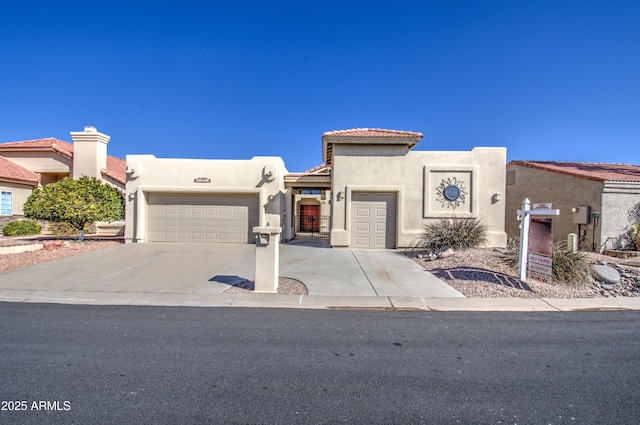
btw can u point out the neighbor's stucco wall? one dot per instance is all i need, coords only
(415, 177)
(41, 162)
(620, 203)
(89, 159)
(89, 152)
(146, 174)
(562, 191)
(19, 194)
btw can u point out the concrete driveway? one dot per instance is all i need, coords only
(186, 268)
(349, 272)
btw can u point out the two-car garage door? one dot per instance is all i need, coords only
(202, 218)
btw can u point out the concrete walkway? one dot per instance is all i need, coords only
(197, 274)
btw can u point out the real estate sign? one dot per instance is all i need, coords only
(539, 264)
(539, 267)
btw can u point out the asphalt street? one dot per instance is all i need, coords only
(124, 364)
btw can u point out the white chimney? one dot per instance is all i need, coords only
(89, 152)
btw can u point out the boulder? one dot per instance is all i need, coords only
(51, 245)
(447, 253)
(605, 273)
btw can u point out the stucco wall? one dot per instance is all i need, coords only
(563, 191)
(620, 202)
(415, 177)
(41, 162)
(89, 157)
(20, 193)
(146, 174)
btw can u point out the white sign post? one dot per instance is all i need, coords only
(525, 214)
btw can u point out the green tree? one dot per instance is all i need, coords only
(77, 202)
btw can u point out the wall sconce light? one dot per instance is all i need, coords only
(496, 197)
(340, 196)
(575, 210)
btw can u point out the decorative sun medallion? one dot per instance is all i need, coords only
(451, 193)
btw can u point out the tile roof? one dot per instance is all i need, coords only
(115, 166)
(116, 169)
(14, 173)
(48, 144)
(317, 168)
(373, 132)
(587, 170)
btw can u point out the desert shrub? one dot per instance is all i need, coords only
(77, 202)
(568, 267)
(513, 242)
(455, 233)
(21, 228)
(635, 235)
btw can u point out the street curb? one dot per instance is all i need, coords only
(321, 301)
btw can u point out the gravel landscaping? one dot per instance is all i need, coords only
(58, 249)
(286, 286)
(481, 273)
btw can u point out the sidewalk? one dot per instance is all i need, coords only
(319, 301)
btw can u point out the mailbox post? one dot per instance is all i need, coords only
(267, 258)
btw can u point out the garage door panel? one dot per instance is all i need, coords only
(363, 241)
(363, 212)
(363, 226)
(202, 218)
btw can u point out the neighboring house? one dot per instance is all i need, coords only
(372, 192)
(29, 164)
(596, 201)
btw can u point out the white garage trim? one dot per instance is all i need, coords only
(143, 194)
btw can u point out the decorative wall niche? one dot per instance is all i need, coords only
(449, 192)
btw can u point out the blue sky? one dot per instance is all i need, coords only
(557, 80)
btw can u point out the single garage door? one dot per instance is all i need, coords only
(373, 220)
(202, 218)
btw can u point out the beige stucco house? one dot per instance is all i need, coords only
(372, 191)
(596, 201)
(27, 164)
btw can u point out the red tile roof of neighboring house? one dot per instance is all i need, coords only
(316, 169)
(373, 132)
(587, 170)
(14, 173)
(116, 167)
(48, 144)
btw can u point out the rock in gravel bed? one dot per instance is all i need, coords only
(627, 284)
(605, 273)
